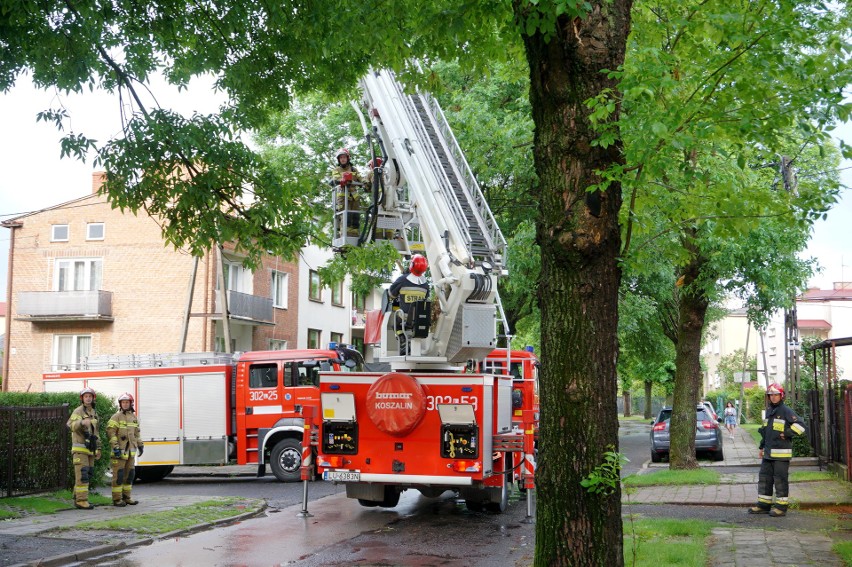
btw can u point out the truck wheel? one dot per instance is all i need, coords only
(286, 460)
(153, 473)
(503, 494)
(391, 498)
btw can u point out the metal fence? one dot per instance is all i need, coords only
(33, 449)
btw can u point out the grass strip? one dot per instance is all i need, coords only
(155, 523)
(666, 542)
(844, 550)
(806, 476)
(20, 506)
(672, 478)
(752, 428)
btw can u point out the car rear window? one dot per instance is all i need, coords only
(700, 415)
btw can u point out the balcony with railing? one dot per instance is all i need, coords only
(359, 318)
(252, 309)
(38, 306)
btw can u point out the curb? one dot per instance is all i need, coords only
(66, 558)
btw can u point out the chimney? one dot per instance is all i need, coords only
(98, 179)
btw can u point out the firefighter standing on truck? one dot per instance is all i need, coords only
(776, 449)
(85, 446)
(126, 443)
(350, 185)
(410, 288)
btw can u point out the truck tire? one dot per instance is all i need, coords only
(286, 460)
(391, 498)
(499, 497)
(153, 473)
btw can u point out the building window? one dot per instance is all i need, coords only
(337, 294)
(220, 344)
(358, 344)
(70, 350)
(95, 231)
(314, 286)
(237, 278)
(59, 233)
(79, 274)
(314, 338)
(358, 301)
(337, 338)
(280, 281)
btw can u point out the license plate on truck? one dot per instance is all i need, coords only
(342, 476)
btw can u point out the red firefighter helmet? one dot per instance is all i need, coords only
(775, 388)
(374, 163)
(418, 265)
(88, 390)
(341, 152)
(126, 396)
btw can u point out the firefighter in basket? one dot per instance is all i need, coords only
(126, 443)
(85, 446)
(780, 425)
(409, 290)
(349, 186)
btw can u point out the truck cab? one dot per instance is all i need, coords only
(271, 391)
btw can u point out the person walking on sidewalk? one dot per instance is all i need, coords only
(730, 419)
(85, 446)
(776, 450)
(126, 443)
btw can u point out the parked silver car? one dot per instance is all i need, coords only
(708, 434)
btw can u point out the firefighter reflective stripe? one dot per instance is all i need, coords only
(763, 499)
(781, 453)
(779, 424)
(798, 428)
(781, 500)
(78, 448)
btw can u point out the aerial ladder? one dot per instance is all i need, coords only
(425, 199)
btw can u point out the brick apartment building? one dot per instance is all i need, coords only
(86, 280)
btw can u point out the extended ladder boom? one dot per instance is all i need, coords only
(429, 185)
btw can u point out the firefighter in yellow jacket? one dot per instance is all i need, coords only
(85, 446)
(126, 443)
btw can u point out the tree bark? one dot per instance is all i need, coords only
(626, 403)
(691, 315)
(648, 409)
(578, 234)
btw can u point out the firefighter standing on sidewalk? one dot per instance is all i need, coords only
(85, 446)
(126, 443)
(776, 449)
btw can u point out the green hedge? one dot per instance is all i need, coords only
(104, 406)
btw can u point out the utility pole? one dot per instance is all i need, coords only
(791, 322)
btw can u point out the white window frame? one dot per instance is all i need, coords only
(77, 345)
(87, 284)
(54, 237)
(280, 289)
(318, 297)
(237, 277)
(89, 227)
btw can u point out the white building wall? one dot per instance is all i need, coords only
(321, 315)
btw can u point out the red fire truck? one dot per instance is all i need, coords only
(208, 408)
(428, 424)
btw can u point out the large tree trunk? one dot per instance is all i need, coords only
(579, 237)
(648, 409)
(691, 315)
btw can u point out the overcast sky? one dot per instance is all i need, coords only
(34, 177)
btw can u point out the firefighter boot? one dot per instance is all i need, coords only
(758, 510)
(129, 500)
(119, 503)
(777, 513)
